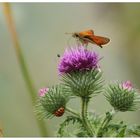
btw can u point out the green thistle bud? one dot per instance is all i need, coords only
(122, 96)
(53, 102)
(84, 83)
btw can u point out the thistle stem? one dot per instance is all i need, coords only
(84, 116)
(22, 63)
(72, 112)
(105, 122)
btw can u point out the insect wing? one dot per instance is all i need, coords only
(99, 40)
(86, 33)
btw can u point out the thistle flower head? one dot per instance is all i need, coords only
(77, 59)
(52, 103)
(122, 96)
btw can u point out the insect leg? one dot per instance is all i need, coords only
(85, 44)
(78, 42)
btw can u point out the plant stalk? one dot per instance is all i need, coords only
(84, 116)
(22, 63)
(105, 122)
(72, 112)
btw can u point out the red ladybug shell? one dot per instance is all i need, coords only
(59, 112)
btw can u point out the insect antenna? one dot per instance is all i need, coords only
(68, 33)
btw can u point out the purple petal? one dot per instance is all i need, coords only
(78, 58)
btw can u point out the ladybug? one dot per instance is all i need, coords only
(59, 112)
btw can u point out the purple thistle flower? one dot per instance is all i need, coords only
(78, 58)
(43, 91)
(127, 85)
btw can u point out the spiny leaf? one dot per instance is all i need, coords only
(121, 132)
(133, 130)
(75, 121)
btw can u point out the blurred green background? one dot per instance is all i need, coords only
(41, 28)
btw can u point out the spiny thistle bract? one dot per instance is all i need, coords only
(53, 102)
(84, 83)
(122, 96)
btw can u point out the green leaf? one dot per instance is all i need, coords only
(133, 130)
(121, 132)
(115, 129)
(72, 127)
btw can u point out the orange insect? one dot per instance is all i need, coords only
(88, 37)
(59, 112)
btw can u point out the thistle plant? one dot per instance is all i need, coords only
(81, 77)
